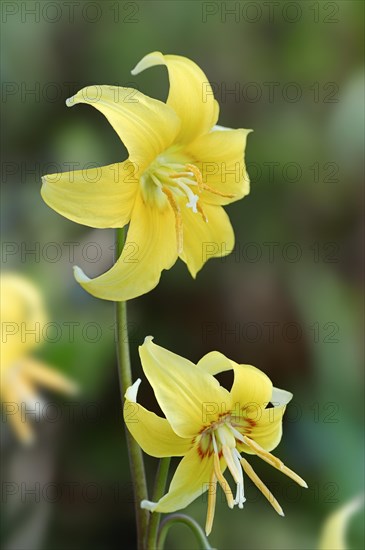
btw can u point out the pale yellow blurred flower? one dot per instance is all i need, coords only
(333, 535)
(23, 319)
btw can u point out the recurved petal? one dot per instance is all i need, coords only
(98, 197)
(251, 392)
(219, 155)
(190, 480)
(251, 389)
(265, 426)
(190, 94)
(182, 390)
(145, 125)
(150, 247)
(215, 362)
(152, 433)
(205, 239)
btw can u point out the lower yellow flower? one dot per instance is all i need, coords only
(22, 321)
(207, 425)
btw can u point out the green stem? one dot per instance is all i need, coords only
(125, 380)
(185, 520)
(158, 491)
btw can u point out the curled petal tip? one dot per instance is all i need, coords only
(149, 60)
(148, 505)
(131, 393)
(147, 340)
(70, 101)
(80, 275)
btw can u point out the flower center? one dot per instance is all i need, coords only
(220, 439)
(172, 179)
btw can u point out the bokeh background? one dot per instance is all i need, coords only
(288, 300)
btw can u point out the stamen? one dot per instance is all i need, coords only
(216, 192)
(274, 461)
(156, 180)
(227, 453)
(237, 434)
(178, 219)
(182, 175)
(199, 178)
(201, 211)
(221, 480)
(261, 486)
(212, 497)
(265, 455)
(197, 174)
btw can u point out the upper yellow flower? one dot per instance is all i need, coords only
(180, 171)
(23, 319)
(207, 425)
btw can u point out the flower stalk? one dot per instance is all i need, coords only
(159, 489)
(125, 380)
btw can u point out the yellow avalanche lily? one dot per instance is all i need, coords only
(181, 169)
(23, 319)
(207, 425)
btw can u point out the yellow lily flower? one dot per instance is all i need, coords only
(207, 425)
(22, 321)
(180, 171)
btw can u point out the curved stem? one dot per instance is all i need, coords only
(125, 380)
(158, 491)
(189, 522)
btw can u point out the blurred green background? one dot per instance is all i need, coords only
(288, 300)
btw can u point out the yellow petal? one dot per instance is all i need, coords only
(190, 94)
(98, 197)
(219, 156)
(182, 390)
(215, 362)
(267, 427)
(333, 536)
(152, 433)
(205, 239)
(145, 125)
(150, 247)
(251, 392)
(251, 389)
(191, 479)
